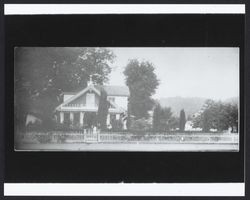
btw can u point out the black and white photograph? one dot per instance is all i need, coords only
(126, 99)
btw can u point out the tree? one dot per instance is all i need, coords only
(140, 125)
(43, 73)
(220, 116)
(116, 124)
(90, 118)
(142, 82)
(206, 118)
(157, 117)
(129, 118)
(174, 123)
(232, 116)
(163, 119)
(182, 120)
(103, 110)
(217, 115)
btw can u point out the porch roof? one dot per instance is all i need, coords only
(87, 109)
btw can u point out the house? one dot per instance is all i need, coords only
(81, 107)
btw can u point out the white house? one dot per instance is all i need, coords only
(75, 106)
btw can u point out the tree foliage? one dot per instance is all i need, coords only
(182, 120)
(217, 115)
(140, 125)
(116, 124)
(128, 116)
(90, 119)
(43, 73)
(163, 120)
(142, 82)
(103, 110)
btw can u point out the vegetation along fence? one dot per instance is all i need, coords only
(192, 139)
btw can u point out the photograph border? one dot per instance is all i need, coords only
(242, 89)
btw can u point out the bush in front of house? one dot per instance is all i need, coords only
(66, 127)
(44, 138)
(140, 125)
(61, 138)
(116, 125)
(34, 127)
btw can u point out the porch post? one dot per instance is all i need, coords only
(61, 117)
(117, 116)
(125, 124)
(81, 118)
(108, 119)
(71, 117)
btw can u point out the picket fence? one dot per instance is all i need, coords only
(97, 137)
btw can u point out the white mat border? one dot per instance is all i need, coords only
(40, 9)
(124, 189)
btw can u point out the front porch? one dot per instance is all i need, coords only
(84, 118)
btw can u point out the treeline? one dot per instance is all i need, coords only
(142, 82)
(42, 74)
(217, 115)
(162, 120)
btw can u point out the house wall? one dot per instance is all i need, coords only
(120, 101)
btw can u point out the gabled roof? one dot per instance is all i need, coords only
(70, 93)
(113, 90)
(91, 87)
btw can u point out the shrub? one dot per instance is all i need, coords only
(34, 127)
(61, 138)
(116, 125)
(140, 125)
(44, 138)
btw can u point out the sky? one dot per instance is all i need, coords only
(185, 72)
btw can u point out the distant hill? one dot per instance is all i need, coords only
(191, 105)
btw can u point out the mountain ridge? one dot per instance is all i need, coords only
(191, 105)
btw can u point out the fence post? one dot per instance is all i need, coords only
(98, 137)
(84, 133)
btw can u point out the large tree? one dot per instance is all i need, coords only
(207, 117)
(217, 115)
(142, 82)
(232, 116)
(157, 117)
(163, 120)
(182, 120)
(103, 110)
(43, 73)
